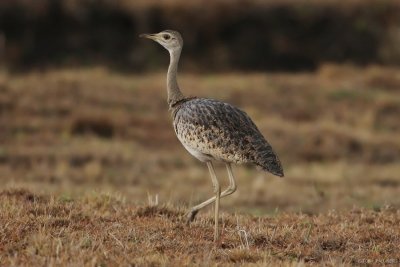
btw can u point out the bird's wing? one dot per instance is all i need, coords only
(225, 133)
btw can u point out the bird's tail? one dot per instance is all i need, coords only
(268, 161)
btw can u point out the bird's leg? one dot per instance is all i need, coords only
(230, 190)
(232, 184)
(217, 192)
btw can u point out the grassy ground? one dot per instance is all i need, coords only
(83, 151)
(103, 230)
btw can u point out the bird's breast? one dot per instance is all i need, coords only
(193, 141)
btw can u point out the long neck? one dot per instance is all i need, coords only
(174, 93)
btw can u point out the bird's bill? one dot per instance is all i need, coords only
(149, 36)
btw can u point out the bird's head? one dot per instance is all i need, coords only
(171, 40)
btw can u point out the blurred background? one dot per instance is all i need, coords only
(83, 101)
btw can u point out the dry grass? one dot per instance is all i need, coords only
(68, 136)
(335, 130)
(104, 230)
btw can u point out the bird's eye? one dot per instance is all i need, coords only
(166, 37)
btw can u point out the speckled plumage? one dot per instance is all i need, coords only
(214, 130)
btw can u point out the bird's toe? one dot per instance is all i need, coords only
(191, 215)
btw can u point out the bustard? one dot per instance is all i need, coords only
(212, 130)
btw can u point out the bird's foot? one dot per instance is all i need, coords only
(190, 216)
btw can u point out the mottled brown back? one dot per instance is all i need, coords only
(223, 132)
